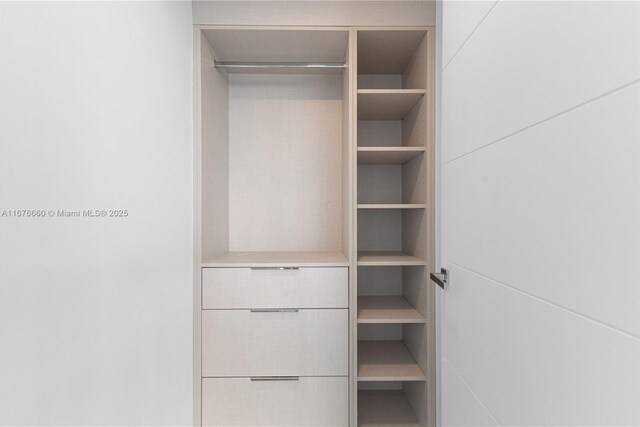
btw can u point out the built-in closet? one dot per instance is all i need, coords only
(314, 226)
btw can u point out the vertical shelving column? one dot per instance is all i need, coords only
(393, 228)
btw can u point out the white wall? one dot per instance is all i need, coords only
(95, 113)
(541, 213)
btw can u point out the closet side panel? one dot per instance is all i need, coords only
(214, 155)
(419, 232)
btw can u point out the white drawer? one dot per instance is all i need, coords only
(307, 401)
(313, 287)
(294, 342)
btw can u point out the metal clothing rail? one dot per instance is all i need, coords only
(226, 64)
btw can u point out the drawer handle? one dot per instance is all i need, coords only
(276, 378)
(274, 310)
(275, 268)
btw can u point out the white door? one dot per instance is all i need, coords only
(540, 213)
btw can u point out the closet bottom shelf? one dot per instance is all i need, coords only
(384, 408)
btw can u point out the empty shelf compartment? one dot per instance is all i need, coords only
(387, 309)
(387, 361)
(384, 408)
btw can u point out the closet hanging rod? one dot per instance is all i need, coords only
(229, 64)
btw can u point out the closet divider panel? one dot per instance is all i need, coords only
(349, 113)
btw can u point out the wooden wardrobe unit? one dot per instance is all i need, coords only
(314, 226)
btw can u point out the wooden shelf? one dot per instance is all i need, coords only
(391, 206)
(278, 259)
(387, 309)
(387, 104)
(387, 361)
(387, 155)
(384, 408)
(391, 258)
(268, 45)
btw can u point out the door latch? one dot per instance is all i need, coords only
(441, 279)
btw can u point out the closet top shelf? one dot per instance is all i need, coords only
(278, 259)
(278, 45)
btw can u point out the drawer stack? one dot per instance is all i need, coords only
(275, 346)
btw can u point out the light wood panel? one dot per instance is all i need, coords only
(306, 342)
(419, 235)
(387, 155)
(245, 288)
(379, 229)
(415, 74)
(386, 361)
(380, 81)
(214, 155)
(301, 402)
(277, 259)
(379, 133)
(387, 258)
(384, 408)
(379, 332)
(348, 154)
(314, 13)
(387, 104)
(387, 309)
(351, 231)
(379, 184)
(380, 280)
(391, 206)
(278, 45)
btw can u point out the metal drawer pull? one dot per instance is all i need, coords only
(275, 268)
(274, 310)
(277, 378)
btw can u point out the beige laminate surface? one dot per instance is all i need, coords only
(387, 258)
(277, 259)
(387, 361)
(387, 155)
(387, 309)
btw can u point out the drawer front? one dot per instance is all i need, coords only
(293, 342)
(307, 401)
(314, 287)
